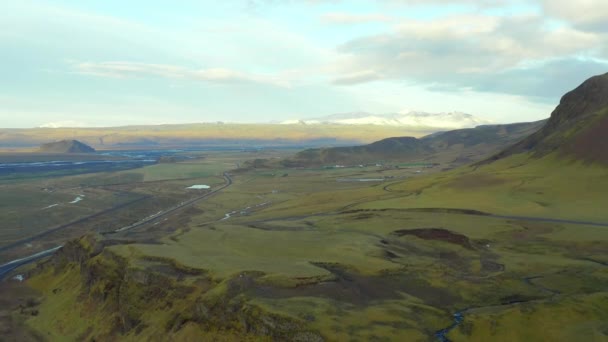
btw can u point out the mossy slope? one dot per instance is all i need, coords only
(91, 293)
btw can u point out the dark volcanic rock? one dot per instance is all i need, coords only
(66, 146)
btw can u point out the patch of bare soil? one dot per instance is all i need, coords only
(438, 234)
(350, 287)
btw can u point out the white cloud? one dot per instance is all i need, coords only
(587, 14)
(358, 77)
(212, 75)
(466, 51)
(349, 18)
(286, 44)
(447, 2)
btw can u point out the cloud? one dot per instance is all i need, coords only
(468, 43)
(358, 77)
(211, 75)
(474, 3)
(348, 18)
(469, 51)
(254, 5)
(543, 81)
(585, 14)
(494, 49)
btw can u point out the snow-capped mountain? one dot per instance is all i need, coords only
(451, 120)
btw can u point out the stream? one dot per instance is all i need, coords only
(442, 335)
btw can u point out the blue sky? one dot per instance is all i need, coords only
(107, 63)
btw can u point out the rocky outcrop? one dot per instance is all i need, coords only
(122, 296)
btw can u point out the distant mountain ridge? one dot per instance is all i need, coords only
(457, 146)
(450, 120)
(577, 129)
(387, 149)
(66, 146)
(206, 134)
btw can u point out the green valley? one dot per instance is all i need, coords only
(489, 251)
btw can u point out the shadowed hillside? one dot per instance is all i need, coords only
(577, 127)
(387, 149)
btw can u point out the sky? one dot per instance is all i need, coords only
(115, 63)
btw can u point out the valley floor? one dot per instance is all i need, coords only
(296, 254)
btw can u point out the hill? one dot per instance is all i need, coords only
(387, 149)
(66, 146)
(457, 146)
(577, 128)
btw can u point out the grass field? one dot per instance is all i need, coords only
(549, 187)
(303, 254)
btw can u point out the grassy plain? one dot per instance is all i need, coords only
(107, 200)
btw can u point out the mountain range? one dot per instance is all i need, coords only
(450, 120)
(453, 147)
(205, 135)
(576, 130)
(333, 130)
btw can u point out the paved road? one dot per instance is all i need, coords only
(166, 212)
(549, 220)
(69, 224)
(10, 266)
